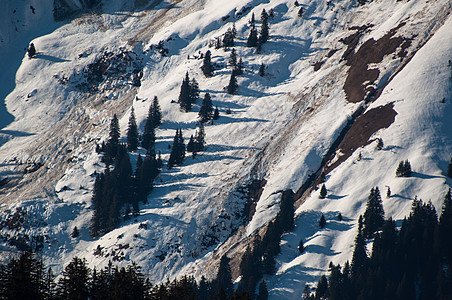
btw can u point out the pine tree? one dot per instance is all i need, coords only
(200, 141)
(404, 169)
(113, 141)
(374, 214)
(449, 169)
(74, 284)
(233, 59)
(388, 192)
(132, 132)
(75, 232)
(323, 192)
(322, 288)
(252, 38)
(301, 246)
(148, 140)
(185, 94)
(265, 28)
(445, 227)
(223, 279)
(287, 211)
(322, 221)
(239, 68)
(156, 112)
(191, 145)
(262, 70)
(207, 68)
(206, 110)
(216, 114)
(194, 90)
(263, 292)
(380, 144)
(300, 12)
(228, 38)
(359, 257)
(232, 86)
(31, 50)
(177, 155)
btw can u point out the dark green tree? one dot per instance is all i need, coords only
(207, 67)
(404, 169)
(359, 257)
(445, 228)
(264, 28)
(156, 112)
(263, 292)
(262, 70)
(232, 86)
(75, 232)
(301, 246)
(286, 211)
(206, 111)
(74, 283)
(239, 68)
(185, 100)
(200, 139)
(223, 279)
(252, 38)
(374, 214)
(148, 139)
(233, 59)
(323, 192)
(132, 132)
(31, 50)
(300, 12)
(216, 114)
(177, 155)
(228, 38)
(322, 221)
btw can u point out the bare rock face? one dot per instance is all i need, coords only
(65, 9)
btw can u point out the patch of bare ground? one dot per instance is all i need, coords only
(360, 79)
(362, 129)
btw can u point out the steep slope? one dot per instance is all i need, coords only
(280, 130)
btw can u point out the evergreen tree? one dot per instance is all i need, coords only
(404, 169)
(322, 221)
(132, 132)
(265, 28)
(445, 228)
(228, 38)
(388, 192)
(224, 278)
(74, 283)
(75, 232)
(359, 257)
(177, 155)
(31, 50)
(380, 144)
(323, 192)
(207, 68)
(339, 217)
(239, 68)
(252, 38)
(287, 211)
(300, 12)
(113, 141)
(206, 110)
(216, 114)
(156, 112)
(191, 144)
(232, 86)
(262, 70)
(374, 214)
(301, 246)
(263, 292)
(148, 140)
(449, 169)
(322, 288)
(233, 59)
(194, 90)
(200, 141)
(185, 100)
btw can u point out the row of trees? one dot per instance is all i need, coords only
(414, 262)
(27, 278)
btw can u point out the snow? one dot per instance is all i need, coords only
(279, 129)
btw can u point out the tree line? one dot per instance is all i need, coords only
(413, 262)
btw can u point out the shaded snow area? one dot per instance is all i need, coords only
(279, 129)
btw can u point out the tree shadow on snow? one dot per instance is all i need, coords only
(424, 176)
(50, 58)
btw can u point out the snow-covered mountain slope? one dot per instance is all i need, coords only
(280, 130)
